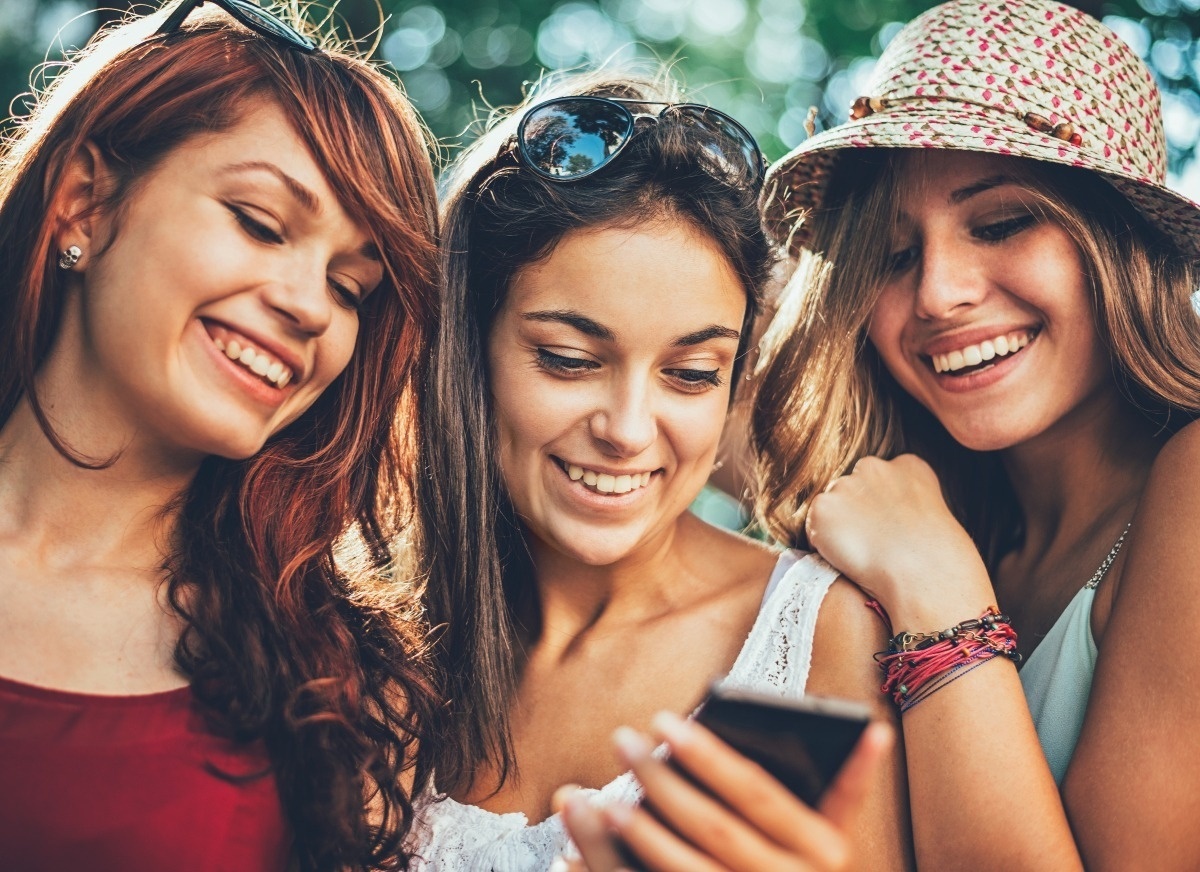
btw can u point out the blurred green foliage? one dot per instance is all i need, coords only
(764, 61)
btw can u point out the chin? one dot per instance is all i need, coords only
(594, 548)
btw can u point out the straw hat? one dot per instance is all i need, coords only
(1030, 78)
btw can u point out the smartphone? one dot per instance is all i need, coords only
(802, 742)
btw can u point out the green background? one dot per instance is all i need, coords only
(764, 61)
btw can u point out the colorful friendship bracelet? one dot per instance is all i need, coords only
(916, 665)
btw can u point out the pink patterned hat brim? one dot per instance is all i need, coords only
(994, 77)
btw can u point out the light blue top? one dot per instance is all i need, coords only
(1057, 679)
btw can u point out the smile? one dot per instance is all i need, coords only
(970, 356)
(240, 350)
(606, 483)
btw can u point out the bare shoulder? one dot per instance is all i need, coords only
(848, 634)
(1160, 559)
(735, 559)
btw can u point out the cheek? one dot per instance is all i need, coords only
(885, 331)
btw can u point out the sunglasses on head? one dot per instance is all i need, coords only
(248, 13)
(570, 138)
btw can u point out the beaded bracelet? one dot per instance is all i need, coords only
(916, 665)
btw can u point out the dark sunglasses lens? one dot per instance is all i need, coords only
(732, 149)
(256, 18)
(568, 139)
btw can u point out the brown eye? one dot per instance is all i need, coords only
(998, 231)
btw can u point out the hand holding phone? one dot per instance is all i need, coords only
(712, 800)
(802, 742)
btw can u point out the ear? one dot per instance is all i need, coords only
(86, 181)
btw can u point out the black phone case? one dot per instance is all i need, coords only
(803, 742)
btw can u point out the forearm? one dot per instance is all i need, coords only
(979, 785)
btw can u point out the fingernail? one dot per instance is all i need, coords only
(631, 745)
(559, 865)
(671, 727)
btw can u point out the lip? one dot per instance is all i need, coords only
(583, 496)
(599, 468)
(953, 341)
(284, 355)
(1000, 368)
(250, 384)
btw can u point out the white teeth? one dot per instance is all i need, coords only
(973, 355)
(258, 362)
(606, 483)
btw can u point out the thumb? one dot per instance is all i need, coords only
(845, 796)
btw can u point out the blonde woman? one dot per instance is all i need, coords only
(995, 297)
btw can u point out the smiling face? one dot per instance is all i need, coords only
(227, 300)
(986, 317)
(609, 366)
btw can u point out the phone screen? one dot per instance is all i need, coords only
(801, 742)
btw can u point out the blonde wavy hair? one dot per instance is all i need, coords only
(823, 399)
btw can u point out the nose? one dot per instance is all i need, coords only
(302, 298)
(626, 422)
(949, 279)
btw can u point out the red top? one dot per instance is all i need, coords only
(127, 784)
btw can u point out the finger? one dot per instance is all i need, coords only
(845, 796)
(558, 800)
(589, 829)
(658, 849)
(754, 794)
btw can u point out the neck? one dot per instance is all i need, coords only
(1086, 471)
(60, 514)
(576, 599)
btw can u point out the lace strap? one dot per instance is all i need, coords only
(778, 652)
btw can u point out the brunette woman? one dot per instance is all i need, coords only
(997, 294)
(219, 259)
(605, 260)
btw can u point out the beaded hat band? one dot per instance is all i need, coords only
(1028, 78)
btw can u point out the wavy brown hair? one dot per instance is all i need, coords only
(824, 399)
(498, 218)
(286, 640)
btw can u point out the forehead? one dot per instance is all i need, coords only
(924, 172)
(667, 272)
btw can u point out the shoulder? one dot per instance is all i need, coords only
(1180, 457)
(730, 557)
(848, 634)
(1158, 559)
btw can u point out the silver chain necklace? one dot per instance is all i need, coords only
(1109, 558)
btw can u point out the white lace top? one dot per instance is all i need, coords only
(449, 836)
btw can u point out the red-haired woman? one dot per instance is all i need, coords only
(219, 257)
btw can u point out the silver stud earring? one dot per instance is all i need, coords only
(69, 256)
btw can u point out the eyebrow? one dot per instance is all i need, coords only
(966, 193)
(715, 331)
(306, 198)
(596, 330)
(303, 195)
(581, 323)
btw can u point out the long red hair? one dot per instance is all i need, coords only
(295, 633)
